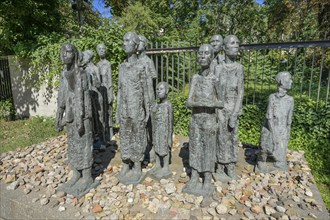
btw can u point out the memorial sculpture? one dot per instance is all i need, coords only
(151, 77)
(74, 103)
(217, 43)
(106, 90)
(275, 133)
(132, 112)
(94, 82)
(203, 99)
(162, 121)
(230, 74)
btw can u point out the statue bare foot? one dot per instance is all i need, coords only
(83, 184)
(124, 170)
(66, 187)
(281, 165)
(231, 171)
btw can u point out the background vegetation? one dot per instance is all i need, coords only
(36, 29)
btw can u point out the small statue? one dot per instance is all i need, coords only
(132, 112)
(106, 89)
(94, 82)
(151, 77)
(74, 101)
(217, 43)
(275, 133)
(231, 75)
(162, 119)
(203, 99)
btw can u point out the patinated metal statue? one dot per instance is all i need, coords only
(151, 77)
(132, 112)
(94, 82)
(162, 119)
(217, 44)
(74, 102)
(106, 89)
(275, 133)
(231, 75)
(203, 99)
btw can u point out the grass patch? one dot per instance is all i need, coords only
(26, 132)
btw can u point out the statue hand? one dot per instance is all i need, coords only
(232, 121)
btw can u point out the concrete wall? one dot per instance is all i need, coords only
(28, 100)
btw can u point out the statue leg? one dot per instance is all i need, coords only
(157, 166)
(136, 171)
(66, 187)
(124, 169)
(207, 186)
(85, 182)
(192, 183)
(261, 161)
(231, 170)
(220, 174)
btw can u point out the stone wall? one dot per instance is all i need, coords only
(28, 100)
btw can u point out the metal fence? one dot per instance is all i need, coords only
(308, 62)
(5, 84)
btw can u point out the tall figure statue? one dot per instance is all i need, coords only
(162, 119)
(132, 112)
(151, 77)
(217, 43)
(203, 99)
(231, 75)
(275, 133)
(106, 89)
(94, 82)
(74, 102)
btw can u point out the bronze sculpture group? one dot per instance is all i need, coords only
(86, 97)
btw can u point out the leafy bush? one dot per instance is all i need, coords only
(7, 111)
(181, 114)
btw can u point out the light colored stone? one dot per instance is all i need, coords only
(44, 201)
(170, 188)
(280, 209)
(13, 185)
(221, 209)
(61, 208)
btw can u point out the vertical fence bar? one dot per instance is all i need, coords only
(189, 73)
(178, 79)
(320, 78)
(167, 63)
(327, 96)
(157, 79)
(311, 78)
(161, 64)
(294, 70)
(263, 72)
(254, 78)
(184, 68)
(248, 78)
(172, 71)
(302, 76)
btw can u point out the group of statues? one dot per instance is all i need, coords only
(146, 123)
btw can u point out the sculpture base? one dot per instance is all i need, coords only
(267, 167)
(198, 190)
(127, 179)
(160, 174)
(78, 195)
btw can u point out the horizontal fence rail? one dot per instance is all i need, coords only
(307, 61)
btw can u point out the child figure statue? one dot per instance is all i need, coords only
(203, 99)
(162, 119)
(275, 133)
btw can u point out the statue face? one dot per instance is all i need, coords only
(161, 91)
(216, 43)
(67, 55)
(204, 56)
(129, 44)
(101, 50)
(286, 82)
(231, 47)
(142, 46)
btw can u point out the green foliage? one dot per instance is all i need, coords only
(7, 110)
(181, 114)
(23, 133)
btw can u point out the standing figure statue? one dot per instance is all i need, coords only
(151, 77)
(217, 43)
(231, 75)
(203, 99)
(162, 119)
(275, 133)
(94, 82)
(132, 112)
(106, 90)
(74, 102)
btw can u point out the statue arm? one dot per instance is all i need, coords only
(152, 70)
(289, 122)
(170, 125)
(60, 107)
(218, 93)
(118, 109)
(238, 105)
(109, 86)
(145, 96)
(190, 101)
(270, 113)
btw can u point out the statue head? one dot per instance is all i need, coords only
(69, 54)
(231, 46)
(143, 43)
(101, 50)
(284, 80)
(205, 55)
(88, 56)
(131, 43)
(216, 42)
(162, 90)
